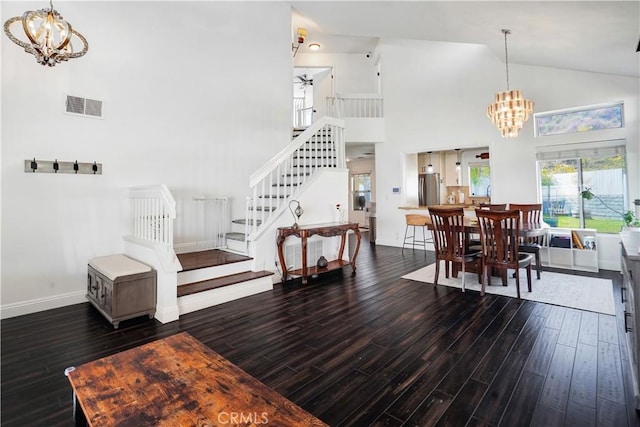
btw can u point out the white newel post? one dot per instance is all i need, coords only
(151, 241)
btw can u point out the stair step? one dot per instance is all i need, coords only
(244, 221)
(311, 156)
(239, 237)
(293, 184)
(220, 282)
(209, 258)
(262, 208)
(291, 175)
(313, 166)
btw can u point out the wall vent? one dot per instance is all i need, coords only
(83, 106)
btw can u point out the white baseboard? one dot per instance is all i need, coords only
(42, 304)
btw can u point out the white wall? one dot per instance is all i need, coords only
(189, 94)
(435, 99)
(330, 184)
(352, 73)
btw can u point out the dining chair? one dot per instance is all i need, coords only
(449, 242)
(493, 206)
(500, 241)
(474, 241)
(530, 245)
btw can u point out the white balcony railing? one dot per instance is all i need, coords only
(356, 105)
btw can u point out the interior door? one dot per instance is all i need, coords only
(322, 89)
(312, 98)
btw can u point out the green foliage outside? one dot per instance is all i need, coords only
(602, 225)
(553, 167)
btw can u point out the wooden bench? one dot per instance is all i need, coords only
(121, 288)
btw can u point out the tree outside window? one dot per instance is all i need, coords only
(562, 181)
(480, 180)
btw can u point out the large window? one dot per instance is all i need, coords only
(479, 180)
(564, 174)
(360, 190)
(581, 119)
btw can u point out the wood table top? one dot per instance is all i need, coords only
(178, 381)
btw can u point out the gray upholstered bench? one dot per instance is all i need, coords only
(121, 288)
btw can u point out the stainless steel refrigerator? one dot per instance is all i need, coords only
(429, 189)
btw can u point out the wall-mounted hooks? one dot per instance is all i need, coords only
(55, 166)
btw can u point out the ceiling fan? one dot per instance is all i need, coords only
(304, 81)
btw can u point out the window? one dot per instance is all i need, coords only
(581, 119)
(480, 179)
(564, 174)
(360, 190)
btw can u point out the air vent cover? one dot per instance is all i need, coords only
(83, 106)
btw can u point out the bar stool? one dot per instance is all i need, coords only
(422, 221)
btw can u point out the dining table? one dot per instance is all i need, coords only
(528, 230)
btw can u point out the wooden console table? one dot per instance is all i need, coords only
(176, 381)
(331, 229)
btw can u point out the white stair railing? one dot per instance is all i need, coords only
(321, 145)
(153, 211)
(356, 105)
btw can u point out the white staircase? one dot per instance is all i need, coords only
(317, 147)
(193, 281)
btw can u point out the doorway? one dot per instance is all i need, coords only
(311, 88)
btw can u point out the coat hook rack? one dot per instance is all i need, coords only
(55, 166)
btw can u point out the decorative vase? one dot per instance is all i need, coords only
(322, 262)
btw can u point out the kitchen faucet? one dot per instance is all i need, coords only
(489, 190)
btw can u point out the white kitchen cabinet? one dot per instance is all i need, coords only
(451, 174)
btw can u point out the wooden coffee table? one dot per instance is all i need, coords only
(176, 381)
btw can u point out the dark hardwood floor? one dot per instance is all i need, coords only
(369, 349)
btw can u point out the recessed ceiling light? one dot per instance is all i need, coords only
(314, 46)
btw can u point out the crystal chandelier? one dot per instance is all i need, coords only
(49, 36)
(510, 110)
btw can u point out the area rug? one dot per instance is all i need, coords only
(584, 293)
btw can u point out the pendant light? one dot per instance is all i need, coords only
(50, 37)
(429, 166)
(510, 110)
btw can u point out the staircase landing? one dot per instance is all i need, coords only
(210, 258)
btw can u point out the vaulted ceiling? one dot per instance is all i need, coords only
(595, 36)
